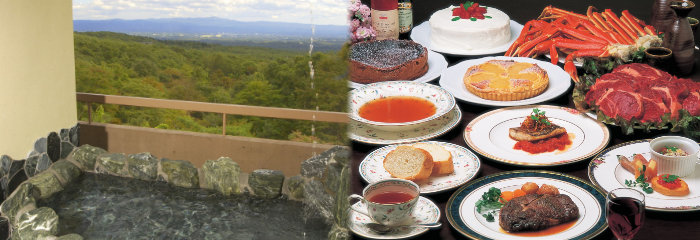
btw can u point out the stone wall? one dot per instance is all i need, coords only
(55, 162)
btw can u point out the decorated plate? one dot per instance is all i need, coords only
(466, 165)
(436, 64)
(488, 135)
(605, 172)
(421, 34)
(424, 212)
(367, 134)
(462, 215)
(452, 80)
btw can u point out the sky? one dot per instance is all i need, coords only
(325, 12)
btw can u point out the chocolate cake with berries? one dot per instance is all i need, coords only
(387, 60)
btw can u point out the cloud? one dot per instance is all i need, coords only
(299, 11)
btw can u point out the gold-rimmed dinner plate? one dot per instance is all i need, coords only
(605, 172)
(462, 215)
(488, 135)
(466, 167)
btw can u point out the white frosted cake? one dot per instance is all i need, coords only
(465, 34)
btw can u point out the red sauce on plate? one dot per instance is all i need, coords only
(545, 232)
(397, 109)
(560, 142)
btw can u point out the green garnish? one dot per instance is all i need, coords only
(455, 18)
(669, 178)
(539, 116)
(639, 182)
(489, 204)
(671, 148)
(489, 217)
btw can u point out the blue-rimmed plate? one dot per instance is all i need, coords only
(605, 172)
(462, 215)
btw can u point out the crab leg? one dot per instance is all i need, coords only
(626, 18)
(569, 66)
(617, 23)
(529, 29)
(618, 30)
(582, 35)
(600, 22)
(647, 28)
(597, 32)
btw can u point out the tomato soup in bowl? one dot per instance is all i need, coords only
(399, 105)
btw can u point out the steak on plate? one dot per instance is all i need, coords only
(536, 212)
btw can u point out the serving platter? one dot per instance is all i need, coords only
(436, 64)
(364, 133)
(488, 135)
(425, 211)
(462, 215)
(605, 172)
(452, 80)
(421, 34)
(466, 166)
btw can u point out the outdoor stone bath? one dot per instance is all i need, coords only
(93, 194)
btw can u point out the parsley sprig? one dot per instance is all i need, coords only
(489, 204)
(538, 115)
(639, 182)
(669, 178)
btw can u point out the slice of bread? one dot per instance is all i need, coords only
(442, 158)
(409, 163)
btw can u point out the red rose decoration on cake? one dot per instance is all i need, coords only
(469, 10)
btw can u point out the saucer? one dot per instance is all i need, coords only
(424, 212)
(363, 133)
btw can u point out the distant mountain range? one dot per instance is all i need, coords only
(210, 26)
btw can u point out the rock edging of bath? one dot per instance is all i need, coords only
(55, 162)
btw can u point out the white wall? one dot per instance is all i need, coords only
(37, 72)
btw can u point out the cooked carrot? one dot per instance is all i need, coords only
(506, 196)
(518, 193)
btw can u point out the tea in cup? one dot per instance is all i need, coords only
(675, 155)
(389, 201)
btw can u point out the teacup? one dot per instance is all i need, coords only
(659, 57)
(681, 166)
(389, 201)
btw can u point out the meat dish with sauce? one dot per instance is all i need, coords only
(536, 212)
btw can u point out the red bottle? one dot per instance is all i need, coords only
(385, 18)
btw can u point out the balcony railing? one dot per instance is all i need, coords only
(250, 153)
(220, 108)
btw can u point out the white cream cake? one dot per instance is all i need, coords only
(465, 34)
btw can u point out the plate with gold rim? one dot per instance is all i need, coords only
(364, 133)
(605, 172)
(488, 135)
(466, 167)
(462, 215)
(425, 211)
(452, 79)
(436, 64)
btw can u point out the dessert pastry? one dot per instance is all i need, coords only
(409, 163)
(442, 159)
(386, 60)
(470, 33)
(506, 80)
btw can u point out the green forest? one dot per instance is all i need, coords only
(121, 64)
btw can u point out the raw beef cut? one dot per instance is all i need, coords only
(639, 91)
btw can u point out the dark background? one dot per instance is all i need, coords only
(658, 225)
